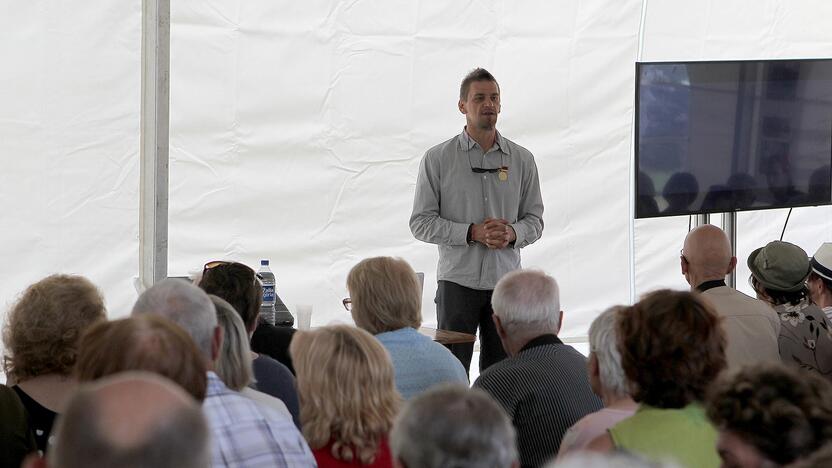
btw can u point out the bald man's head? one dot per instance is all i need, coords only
(131, 420)
(707, 255)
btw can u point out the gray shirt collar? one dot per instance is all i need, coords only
(466, 143)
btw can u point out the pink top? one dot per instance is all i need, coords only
(591, 426)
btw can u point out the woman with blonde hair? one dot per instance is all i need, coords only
(41, 337)
(348, 397)
(386, 300)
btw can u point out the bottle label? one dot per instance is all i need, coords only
(268, 294)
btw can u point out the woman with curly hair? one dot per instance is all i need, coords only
(672, 347)
(770, 415)
(778, 275)
(348, 397)
(41, 337)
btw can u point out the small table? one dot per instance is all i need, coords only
(447, 337)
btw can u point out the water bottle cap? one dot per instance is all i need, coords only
(264, 262)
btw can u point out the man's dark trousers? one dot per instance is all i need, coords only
(464, 310)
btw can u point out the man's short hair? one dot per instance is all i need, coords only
(239, 286)
(453, 426)
(148, 343)
(603, 341)
(385, 294)
(43, 328)
(184, 304)
(477, 74)
(527, 299)
(782, 412)
(88, 435)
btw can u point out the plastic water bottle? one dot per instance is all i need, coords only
(267, 278)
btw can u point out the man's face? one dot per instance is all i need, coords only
(815, 285)
(482, 105)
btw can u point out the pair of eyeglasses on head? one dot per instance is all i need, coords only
(214, 264)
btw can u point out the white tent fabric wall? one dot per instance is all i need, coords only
(713, 30)
(297, 133)
(297, 128)
(69, 125)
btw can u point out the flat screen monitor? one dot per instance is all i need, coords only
(727, 136)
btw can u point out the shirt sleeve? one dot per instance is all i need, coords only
(529, 225)
(426, 224)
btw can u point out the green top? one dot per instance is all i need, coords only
(682, 435)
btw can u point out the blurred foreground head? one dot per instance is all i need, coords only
(130, 420)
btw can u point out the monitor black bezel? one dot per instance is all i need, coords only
(636, 111)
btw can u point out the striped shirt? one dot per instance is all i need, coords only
(246, 434)
(545, 390)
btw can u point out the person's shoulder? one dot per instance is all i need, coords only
(269, 363)
(517, 149)
(499, 373)
(440, 149)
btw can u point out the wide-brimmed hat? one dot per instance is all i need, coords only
(822, 261)
(780, 266)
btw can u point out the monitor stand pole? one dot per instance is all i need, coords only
(701, 219)
(729, 225)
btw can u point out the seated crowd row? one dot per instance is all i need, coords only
(193, 379)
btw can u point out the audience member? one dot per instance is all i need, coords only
(770, 415)
(244, 433)
(751, 327)
(778, 276)
(820, 279)
(16, 440)
(348, 396)
(387, 302)
(451, 425)
(608, 382)
(130, 420)
(232, 282)
(543, 385)
(672, 347)
(147, 343)
(41, 339)
(239, 285)
(234, 364)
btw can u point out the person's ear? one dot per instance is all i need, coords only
(684, 264)
(594, 369)
(499, 326)
(461, 106)
(731, 265)
(560, 322)
(216, 343)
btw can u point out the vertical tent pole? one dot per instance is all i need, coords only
(153, 190)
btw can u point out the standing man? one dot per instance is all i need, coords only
(478, 198)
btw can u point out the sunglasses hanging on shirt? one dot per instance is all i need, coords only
(502, 171)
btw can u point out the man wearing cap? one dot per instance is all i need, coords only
(820, 279)
(778, 275)
(751, 326)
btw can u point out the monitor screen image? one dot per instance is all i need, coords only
(727, 136)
